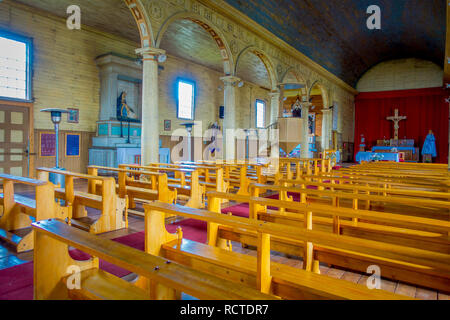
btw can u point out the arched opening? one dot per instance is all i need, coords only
(198, 55)
(143, 24)
(319, 123)
(188, 36)
(256, 70)
(293, 92)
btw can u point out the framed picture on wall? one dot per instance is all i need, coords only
(73, 142)
(167, 125)
(73, 115)
(47, 144)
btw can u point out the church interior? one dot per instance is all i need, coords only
(224, 150)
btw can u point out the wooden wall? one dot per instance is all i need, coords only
(76, 164)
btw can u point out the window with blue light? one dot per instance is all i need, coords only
(15, 78)
(260, 114)
(186, 99)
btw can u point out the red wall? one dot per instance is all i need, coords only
(425, 108)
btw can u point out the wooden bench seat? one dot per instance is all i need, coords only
(27, 205)
(289, 282)
(355, 261)
(214, 260)
(421, 234)
(210, 176)
(83, 198)
(163, 279)
(180, 184)
(130, 184)
(17, 212)
(143, 193)
(96, 284)
(113, 209)
(430, 208)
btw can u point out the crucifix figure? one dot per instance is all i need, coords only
(396, 118)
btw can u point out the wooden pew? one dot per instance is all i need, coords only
(269, 277)
(424, 235)
(412, 202)
(393, 203)
(193, 192)
(155, 188)
(400, 170)
(295, 168)
(53, 265)
(210, 176)
(375, 187)
(113, 209)
(429, 168)
(403, 182)
(17, 211)
(238, 174)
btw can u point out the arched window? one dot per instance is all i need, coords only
(260, 114)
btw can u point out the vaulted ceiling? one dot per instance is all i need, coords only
(333, 33)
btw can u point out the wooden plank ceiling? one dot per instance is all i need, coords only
(334, 33)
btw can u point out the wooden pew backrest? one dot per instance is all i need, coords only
(52, 260)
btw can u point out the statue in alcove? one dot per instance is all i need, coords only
(312, 123)
(124, 111)
(297, 108)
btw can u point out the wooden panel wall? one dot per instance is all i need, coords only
(78, 164)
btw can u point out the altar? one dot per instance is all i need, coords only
(405, 146)
(363, 156)
(393, 149)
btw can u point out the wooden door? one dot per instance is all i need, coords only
(14, 140)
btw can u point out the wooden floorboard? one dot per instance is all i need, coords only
(426, 294)
(443, 296)
(351, 276)
(406, 289)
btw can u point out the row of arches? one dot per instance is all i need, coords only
(250, 63)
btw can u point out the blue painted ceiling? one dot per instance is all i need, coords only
(333, 33)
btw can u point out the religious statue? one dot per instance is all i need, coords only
(396, 119)
(297, 108)
(124, 111)
(429, 147)
(362, 145)
(312, 123)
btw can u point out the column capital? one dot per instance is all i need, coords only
(230, 80)
(327, 111)
(274, 93)
(150, 53)
(306, 105)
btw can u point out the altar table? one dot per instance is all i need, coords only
(369, 156)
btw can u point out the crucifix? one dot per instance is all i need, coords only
(396, 118)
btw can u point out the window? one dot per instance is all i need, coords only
(15, 68)
(260, 114)
(186, 94)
